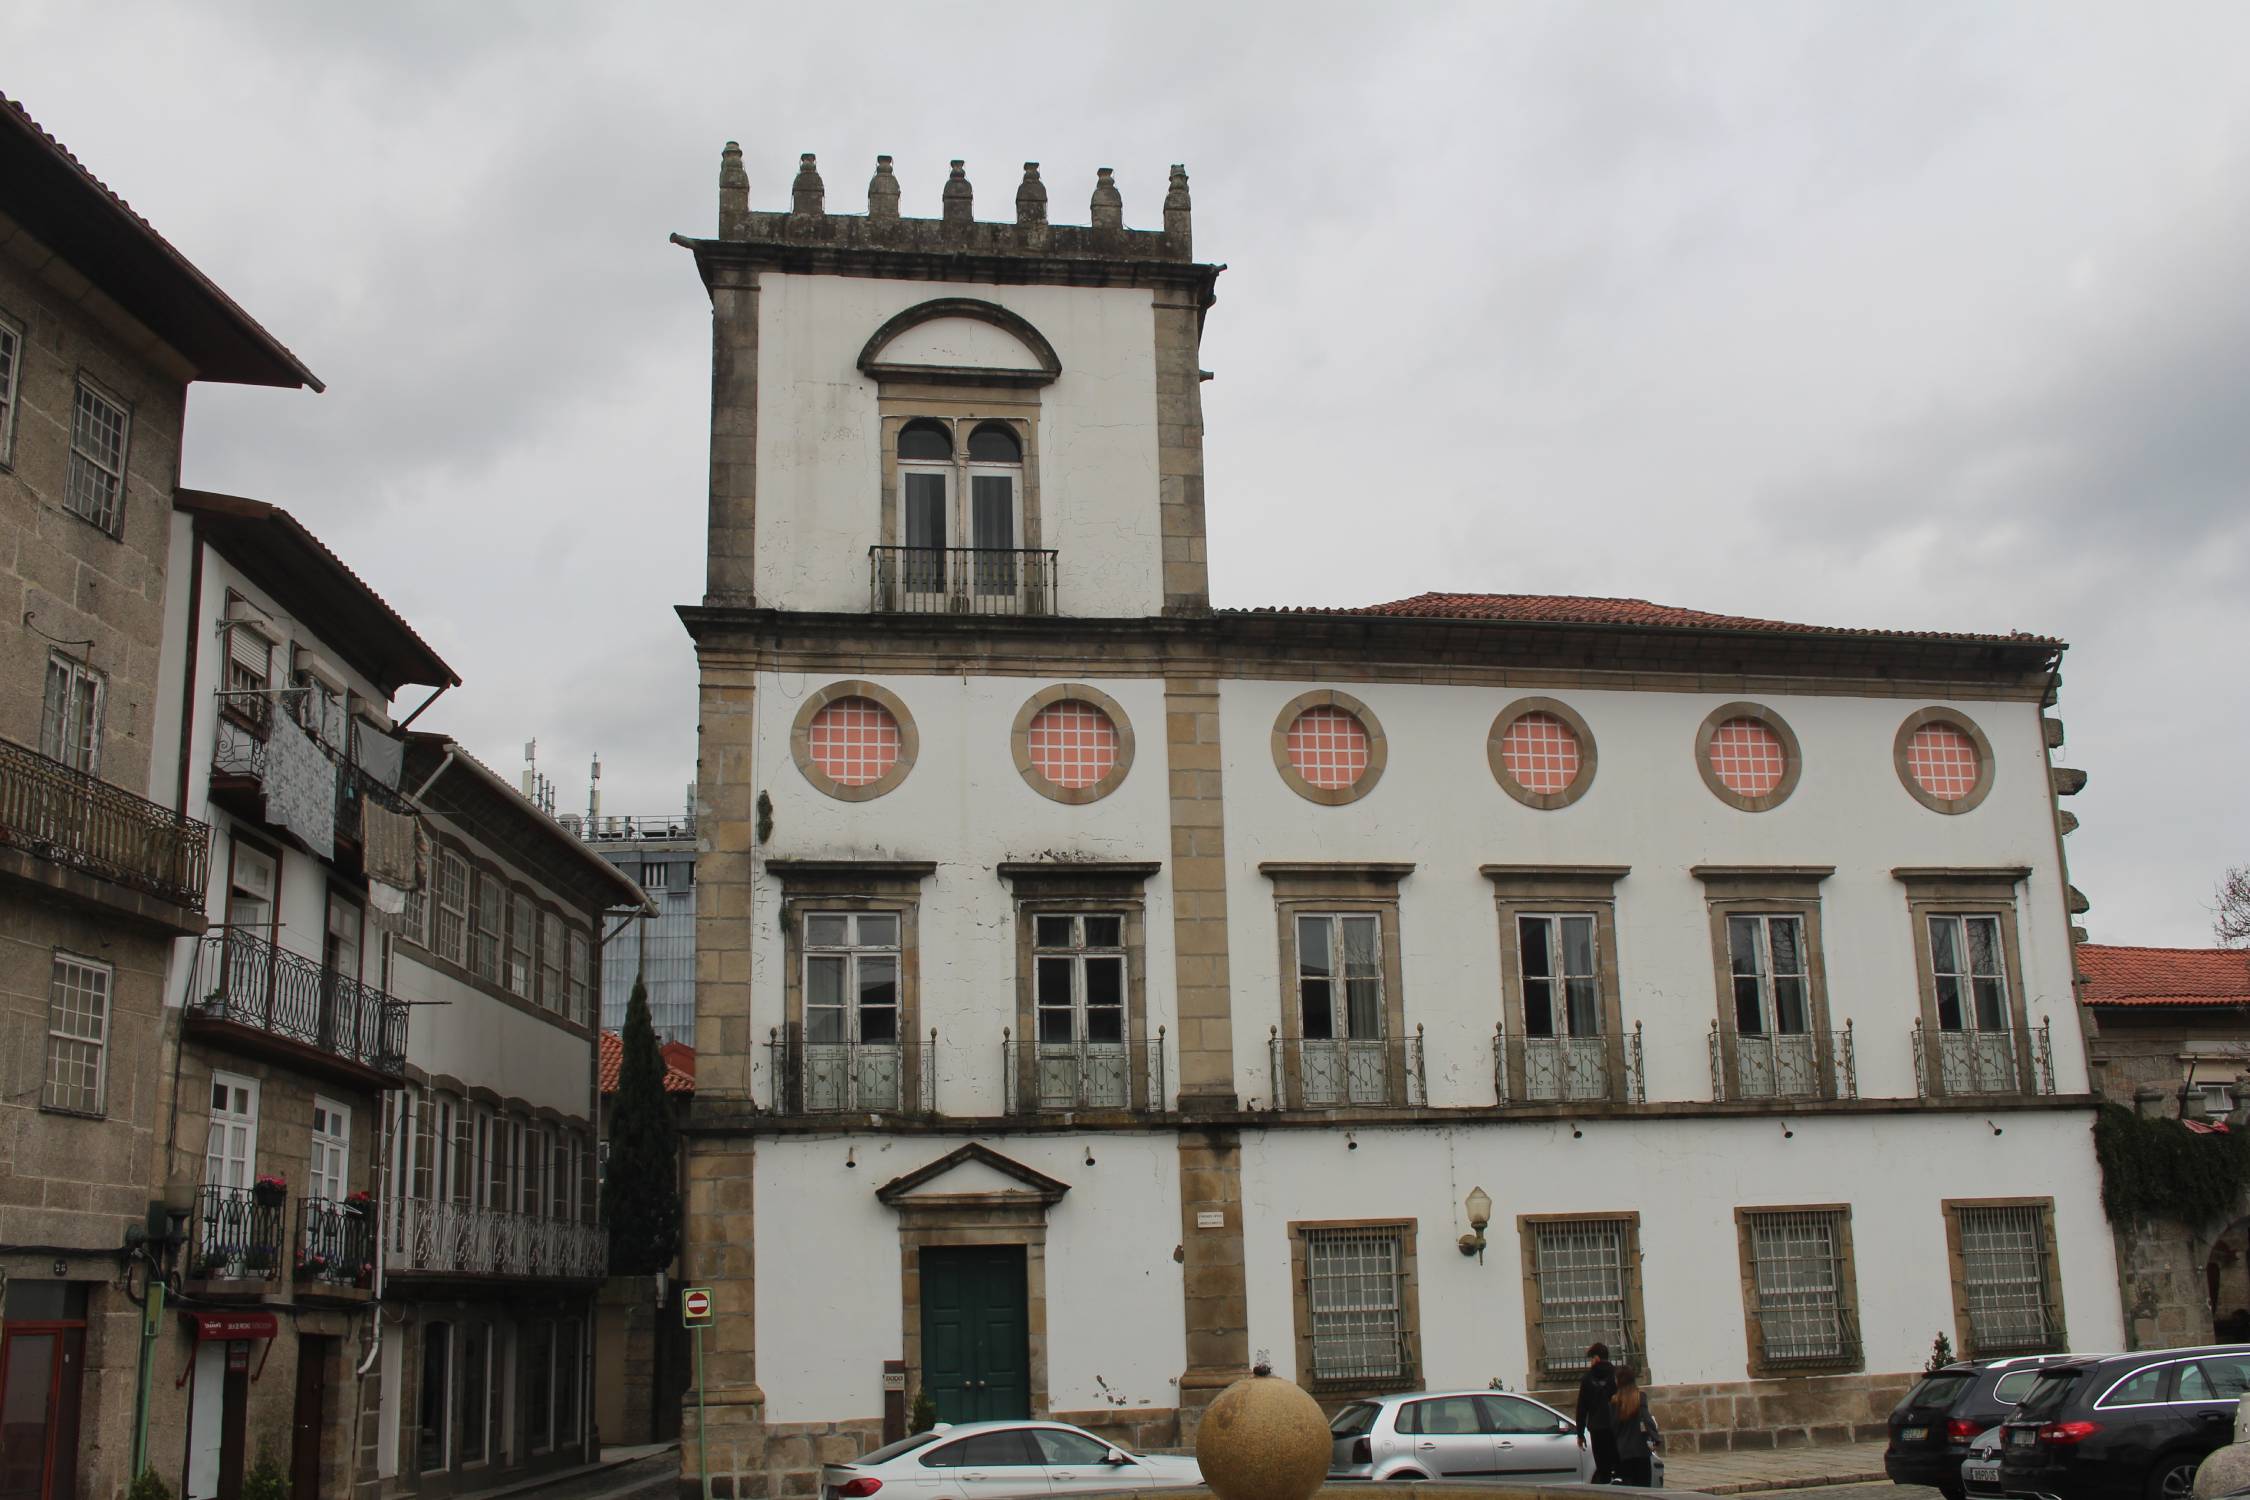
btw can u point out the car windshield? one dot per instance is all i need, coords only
(1940, 1390)
(2048, 1396)
(1354, 1419)
(903, 1446)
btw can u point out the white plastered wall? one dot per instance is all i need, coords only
(820, 471)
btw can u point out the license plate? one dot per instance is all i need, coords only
(2023, 1437)
(1981, 1471)
(1912, 1434)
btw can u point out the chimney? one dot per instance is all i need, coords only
(805, 193)
(882, 191)
(1109, 204)
(957, 195)
(734, 195)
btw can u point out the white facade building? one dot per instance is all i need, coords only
(1095, 988)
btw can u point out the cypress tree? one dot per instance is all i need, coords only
(641, 1195)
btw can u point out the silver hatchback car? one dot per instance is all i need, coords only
(1456, 1435)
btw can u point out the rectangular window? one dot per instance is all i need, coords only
(11, 373)
(2006, 1286)
(655, 875)
(1767, 955)
(453, 908)
(230, 1150)
(500, 1179)
(1342, 1057)
(523, 919)
(1969, 973)
(581, 1006)
(330, 1164)
(559, 1178)
(250, 891)
(537, 1370)
(851, 998)
(1355, 1320)
(70, 719)
(534, 1183)
(95, 489)
(551, 993)
(1583, 1276)
(464, 1164)
(487, 917)
(1797, 1271)
(423, 1109)
(77, 1034)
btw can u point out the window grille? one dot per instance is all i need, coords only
(1797, 1274)
(2005, 1279)
(77, 1035)
(96, 484)
(1355, 1299)
(1583, 1267)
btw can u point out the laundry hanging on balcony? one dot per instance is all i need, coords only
(301, 786)
(389, 855)
(378, 755)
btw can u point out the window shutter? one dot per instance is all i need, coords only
(249, 650)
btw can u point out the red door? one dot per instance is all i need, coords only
(40, 1364)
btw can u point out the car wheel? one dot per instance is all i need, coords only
(2173, 1478)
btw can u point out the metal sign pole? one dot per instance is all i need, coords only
(702, 1442)
(151, 1321)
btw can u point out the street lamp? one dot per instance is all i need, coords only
(1479, 1205)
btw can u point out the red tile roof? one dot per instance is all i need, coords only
(679, 1065)
(1577, 609)
(2164, 976)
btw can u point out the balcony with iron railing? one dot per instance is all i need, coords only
(461, 1240)
(1567, 1069)
(961, 580)
(237, 1238)
(1077, 1077)
(251, 996)
(1983, 1063)
(98, 845)
(1783, 1065)
(364, 763)
(1348, 1073)
(335, 1248)
(815, 1078)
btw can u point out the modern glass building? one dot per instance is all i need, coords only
(660, 854)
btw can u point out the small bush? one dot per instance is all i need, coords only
(2160, 1169)
(148, 1486)
(921, 1416)
(1941, 1354)
(265, 1481)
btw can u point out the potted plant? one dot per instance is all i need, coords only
(208, 1266)
(364, 1277)
(312, 1266)
(360, 1204)
(259, 1258)
(270, 1191)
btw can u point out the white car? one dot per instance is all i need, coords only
(992, 1460)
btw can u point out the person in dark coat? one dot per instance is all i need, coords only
(1597, 1418)
(1636, 1437)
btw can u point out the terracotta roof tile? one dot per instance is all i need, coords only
(1579, 609)
(679, 1065)
(2164, 976)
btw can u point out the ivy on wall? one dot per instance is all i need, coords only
(2160, 1169)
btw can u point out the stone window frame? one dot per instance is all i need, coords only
(1077, 889)
(1635, 1349)
(1339, 889)
(1410, 1306)
(1019, 743)
(57, 1036)
(1792, 756)
(1964, 1338)
(1587, 757)
(1378, 747)
(1561, 891)
(1770, 891)
(800, 740)
(85, 383)
(1847, 1293)
(1969, 891)
(1953, 718)
(855, 886)
(961, 411)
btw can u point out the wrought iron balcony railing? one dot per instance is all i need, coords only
(82, 822)
(1050, 1077)
(1984, 1062)
(336, 1242)
(1314, 1073)
(246, 980)
(961, 580)
(460, 1239)
(1784, 1065)
(237, 1234)
(635, 826)
(1561, 1069)
(811, 1078)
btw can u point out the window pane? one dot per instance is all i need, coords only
(1749, 1006)
(1945, 945)
(1984, 946)
(878, 981)
(1059, 1447)
(1105, 982)
(1744, 945)
(879, 930)
(1787, 937)
(993, 510)
(1364, 998)
(1791, 1014)
(827, 931)
(994, 443)
(1532, 934)
(1105, 932)
(1539, 1007)
(1578, 946)
(926, 441)
(1055, 980)
(1312, 946)
(1052, 932)
(1585, 1013)
(925, 510)
(1949, 1002)
(1992, 1005)
(1359, 945)
(824, 981)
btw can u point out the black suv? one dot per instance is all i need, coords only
(2123, 1425)
(1932, 1428)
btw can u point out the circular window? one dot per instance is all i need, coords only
(1943, 760)
(1329, 747)
(1542, 753)
(1072, 743)
(1748, 756)
(853, 740)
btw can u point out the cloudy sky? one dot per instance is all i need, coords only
(1886, 314)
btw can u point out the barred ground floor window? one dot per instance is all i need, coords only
(1356, 1304)
(1582, 1287)
(1799, 1296)
(2007, 1287)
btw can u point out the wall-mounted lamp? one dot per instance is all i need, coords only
(1575, 1132)
(1786, 1133)
(851, 1157)
(1089, 1156)
(1479, 1205)
(1995, 1128)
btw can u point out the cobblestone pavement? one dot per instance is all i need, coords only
(645, 1478)
(1743, 1473)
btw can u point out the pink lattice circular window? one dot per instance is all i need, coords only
(854, 741)
(1943, 761)
(1073, 743)
(1748, 757)
(1541, 753)
(1328, 748)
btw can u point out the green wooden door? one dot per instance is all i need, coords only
(976, 1353)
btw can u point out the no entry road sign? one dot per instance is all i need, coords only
(695, 1306)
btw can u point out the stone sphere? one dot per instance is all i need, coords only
(2224, 1472)
(1263, 1439)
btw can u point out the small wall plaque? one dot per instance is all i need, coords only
(894, 1380)
(1210, 1218)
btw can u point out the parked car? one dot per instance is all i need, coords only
(1456, 1435)
(2125, 1425)
(993, 1460)
(1932, 1428)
